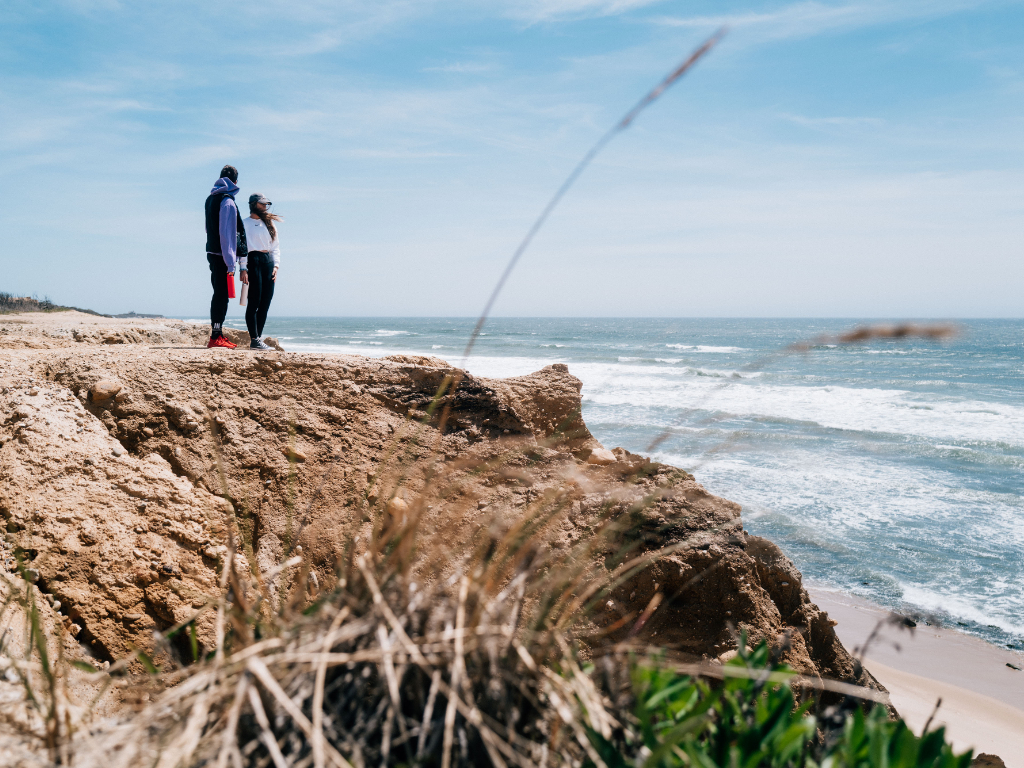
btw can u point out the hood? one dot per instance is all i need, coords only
(224, 186)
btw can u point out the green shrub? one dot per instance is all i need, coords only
(753, 719)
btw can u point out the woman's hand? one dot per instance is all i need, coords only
(273, 275)
(244, 275)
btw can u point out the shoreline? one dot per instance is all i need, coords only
(982, 698)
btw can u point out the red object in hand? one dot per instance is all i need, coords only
(231, 285)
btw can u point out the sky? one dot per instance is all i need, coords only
(844, 158)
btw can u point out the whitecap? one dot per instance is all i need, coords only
(958, 606)
(707, 348)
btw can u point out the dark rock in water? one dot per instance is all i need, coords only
(143, 317)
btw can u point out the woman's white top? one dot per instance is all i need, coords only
(257, 238)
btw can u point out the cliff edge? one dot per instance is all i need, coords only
(129, 455)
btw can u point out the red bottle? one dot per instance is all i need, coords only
(231, 285)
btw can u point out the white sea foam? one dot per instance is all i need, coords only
(386, 332)
(908, 521)
(706, 348)
(932, 599)
(872, 410)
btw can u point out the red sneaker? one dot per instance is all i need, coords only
(220, 341)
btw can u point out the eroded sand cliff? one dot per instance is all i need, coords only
(129, 454)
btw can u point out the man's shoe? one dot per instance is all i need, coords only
(220, 341)
(259, 344)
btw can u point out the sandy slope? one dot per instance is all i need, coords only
(971, 720)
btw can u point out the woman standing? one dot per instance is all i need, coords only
(259, 269)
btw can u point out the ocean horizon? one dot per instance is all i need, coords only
(890, 470)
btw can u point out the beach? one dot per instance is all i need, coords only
(982, 698)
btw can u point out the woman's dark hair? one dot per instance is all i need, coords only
(266, 217)
(230, 172)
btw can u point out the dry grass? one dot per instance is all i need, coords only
(393, 666)
(381, 671)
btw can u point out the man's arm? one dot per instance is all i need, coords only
(228, 232)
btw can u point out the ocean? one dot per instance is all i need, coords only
(890, 470)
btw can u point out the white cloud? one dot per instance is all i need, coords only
(804, 19)
(552, 10)
(833, 122)
(462, 67)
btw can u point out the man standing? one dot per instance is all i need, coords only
(225, 238)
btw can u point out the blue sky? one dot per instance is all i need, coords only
(855, 159)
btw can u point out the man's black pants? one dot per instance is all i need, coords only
(219, 280)
(261, 292)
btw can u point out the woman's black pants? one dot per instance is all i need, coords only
(261, 292)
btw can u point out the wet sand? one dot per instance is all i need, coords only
(982, 698)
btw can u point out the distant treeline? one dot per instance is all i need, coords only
(11, 303)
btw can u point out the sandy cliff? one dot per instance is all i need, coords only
(129, 454)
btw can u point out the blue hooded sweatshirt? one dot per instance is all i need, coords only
(228, 220)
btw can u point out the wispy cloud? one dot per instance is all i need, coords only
(804, 19)
(552, 10)
(833, 122)
(462, 67)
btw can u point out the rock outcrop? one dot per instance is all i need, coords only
(124, 471)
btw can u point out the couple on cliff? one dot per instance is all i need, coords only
(253, 241)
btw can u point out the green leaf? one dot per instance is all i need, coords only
(664, 693)
(147, 662)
